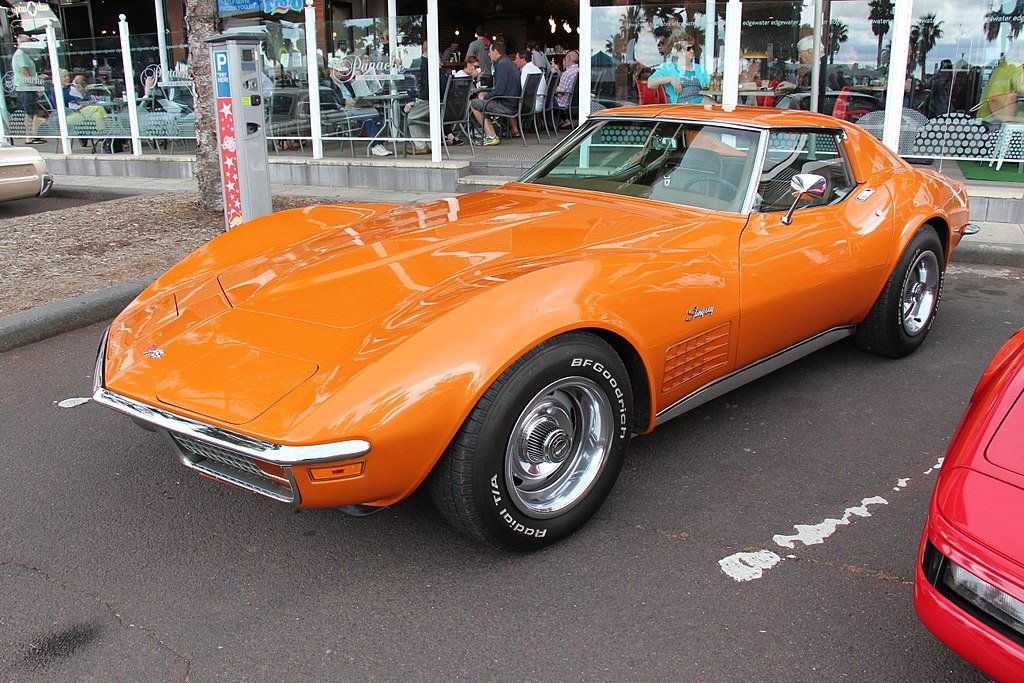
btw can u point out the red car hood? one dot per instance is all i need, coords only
(981, 485)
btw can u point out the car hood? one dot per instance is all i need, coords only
(396, 263)
(327, 304)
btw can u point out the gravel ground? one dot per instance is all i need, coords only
(54, 255)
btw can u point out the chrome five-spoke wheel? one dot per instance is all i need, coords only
(920, 292)
(558, 447)
(542, 448)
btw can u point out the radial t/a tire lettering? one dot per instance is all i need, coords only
(542, 448)
(901, 317)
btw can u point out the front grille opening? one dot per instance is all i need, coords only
(235, 468)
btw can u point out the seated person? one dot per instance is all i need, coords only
(506, 85)
(371, 120)
(471, 69)
(681, 76)
(564, 87)
(81, 105)
(526, 67)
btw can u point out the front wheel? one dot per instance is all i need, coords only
(541, 449)
(901, 317)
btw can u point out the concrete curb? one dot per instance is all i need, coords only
(100, 194)
(988, 253)
(49, 320)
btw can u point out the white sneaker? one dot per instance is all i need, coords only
(380, 151)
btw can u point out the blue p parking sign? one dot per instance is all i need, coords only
(220, 73)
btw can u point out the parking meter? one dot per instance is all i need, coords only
(241, 134)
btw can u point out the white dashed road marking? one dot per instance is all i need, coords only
(751, 565)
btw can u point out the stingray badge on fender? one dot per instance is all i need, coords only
(697, 312)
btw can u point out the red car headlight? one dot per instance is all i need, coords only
(1005, 609)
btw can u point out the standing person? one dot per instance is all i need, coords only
(526, 67)
(566, 83)
(538, 58)
(682, 77)
(506, 84)
(26, 84)
(480, 48)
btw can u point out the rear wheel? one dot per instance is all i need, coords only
(901, 317)
(541, 450)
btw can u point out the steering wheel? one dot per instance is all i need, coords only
(709, 179)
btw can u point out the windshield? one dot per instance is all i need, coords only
(690, 164)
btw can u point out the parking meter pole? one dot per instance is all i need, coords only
(241, 126)
(131, 101)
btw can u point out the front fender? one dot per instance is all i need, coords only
(926, 197)
(410, 402)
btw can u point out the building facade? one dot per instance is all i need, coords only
(933, 79)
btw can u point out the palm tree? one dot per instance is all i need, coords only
(927, 31)
(881, 16)
(201, 23)
(838, 33)
(995, 18)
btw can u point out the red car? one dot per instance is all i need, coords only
(969, 584)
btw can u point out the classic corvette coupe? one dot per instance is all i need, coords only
(503, 346)
(969, 585)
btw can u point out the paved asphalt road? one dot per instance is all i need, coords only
(116, 563)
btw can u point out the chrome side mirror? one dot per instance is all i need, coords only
(804, 185)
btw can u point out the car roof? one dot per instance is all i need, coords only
(758, 117)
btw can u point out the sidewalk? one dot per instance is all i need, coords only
(1000, 242)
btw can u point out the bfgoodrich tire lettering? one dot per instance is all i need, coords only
(541, 450)
(901, 317)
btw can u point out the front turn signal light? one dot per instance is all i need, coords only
(334, 472)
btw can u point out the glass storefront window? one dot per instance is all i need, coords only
(964, 92)
(966, 81)
(632, 43)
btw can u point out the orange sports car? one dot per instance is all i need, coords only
(504, 346)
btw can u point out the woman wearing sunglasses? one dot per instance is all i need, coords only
(681, 76)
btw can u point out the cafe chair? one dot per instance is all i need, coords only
(456, 111)
(524, 106)
(548, 113)
(648, 95)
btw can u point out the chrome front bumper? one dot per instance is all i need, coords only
(222, 454)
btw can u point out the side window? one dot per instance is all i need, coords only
(793, 152)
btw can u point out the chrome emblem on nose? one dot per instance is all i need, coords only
(153, 352)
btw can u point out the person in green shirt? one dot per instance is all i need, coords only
(999, 101)
(28, 89)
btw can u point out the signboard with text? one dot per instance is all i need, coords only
(237, 6)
